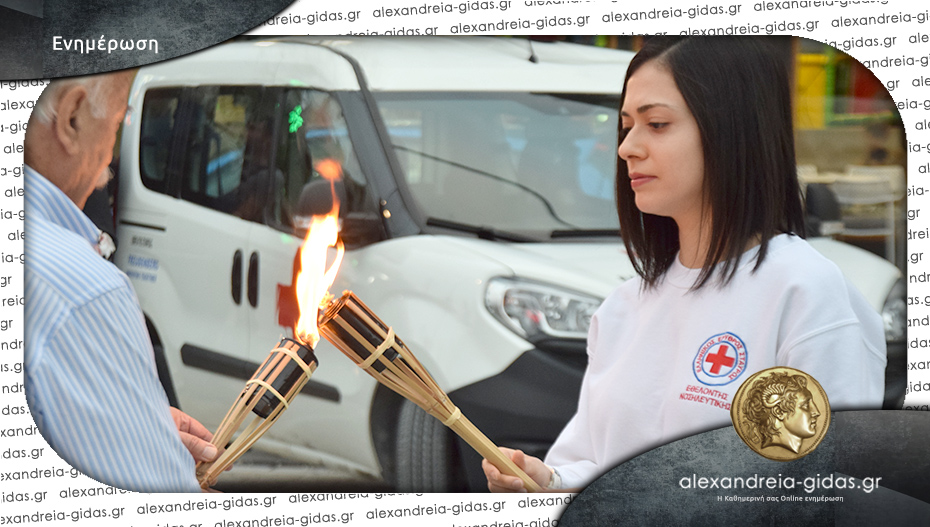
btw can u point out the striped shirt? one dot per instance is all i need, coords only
(90, 371)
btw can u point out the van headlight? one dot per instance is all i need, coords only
(894, 313)
(538, 311)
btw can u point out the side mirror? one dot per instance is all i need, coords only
(316, 198)
(358, 228)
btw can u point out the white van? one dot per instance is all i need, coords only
(478, 211)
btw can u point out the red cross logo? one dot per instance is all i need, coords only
(288, 310)
(719, 359)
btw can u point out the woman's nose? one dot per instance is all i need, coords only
(630, 147)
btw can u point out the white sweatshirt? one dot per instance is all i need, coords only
(665, 363)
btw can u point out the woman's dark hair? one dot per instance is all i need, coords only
(737, 90)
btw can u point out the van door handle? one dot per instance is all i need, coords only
(236, 279)
(253, 279)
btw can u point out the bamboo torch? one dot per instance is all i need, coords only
(357, 332)
(267, 394)
(289, 365)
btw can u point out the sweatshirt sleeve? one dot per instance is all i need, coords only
(573, 453)
(847, 357)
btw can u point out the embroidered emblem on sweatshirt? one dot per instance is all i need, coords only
(720, 360)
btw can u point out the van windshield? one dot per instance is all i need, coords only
(529, 163)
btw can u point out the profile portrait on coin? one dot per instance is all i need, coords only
(779, 410)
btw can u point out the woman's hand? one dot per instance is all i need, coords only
(533, 466)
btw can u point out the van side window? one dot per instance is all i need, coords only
(313, 147)
(158, 118)
(229, 152)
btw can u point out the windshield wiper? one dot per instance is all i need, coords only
(485, 233)
(586, 233)
(532, 192)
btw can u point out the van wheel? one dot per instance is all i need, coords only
(427, 458)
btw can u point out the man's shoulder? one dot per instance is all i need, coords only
(63, 263)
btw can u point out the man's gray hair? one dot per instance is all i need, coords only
(98, 88)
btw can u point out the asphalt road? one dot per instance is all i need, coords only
(261, 472)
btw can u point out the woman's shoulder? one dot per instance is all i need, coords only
(793, 260)
(628, 290)
(808, 282)
(622, 298)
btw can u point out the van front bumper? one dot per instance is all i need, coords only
(525, 406)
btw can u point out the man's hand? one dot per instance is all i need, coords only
(533, 466)
(195, 436)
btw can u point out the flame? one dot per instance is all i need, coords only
(329, 168)
(315, 278)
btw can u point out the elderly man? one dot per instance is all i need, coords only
(91, 381)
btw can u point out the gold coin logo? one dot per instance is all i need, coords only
(781, 413)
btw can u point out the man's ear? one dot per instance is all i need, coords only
(68, 116)
(779, 414)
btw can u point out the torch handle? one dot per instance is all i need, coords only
(488, 450)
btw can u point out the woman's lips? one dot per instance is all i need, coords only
(637, 179)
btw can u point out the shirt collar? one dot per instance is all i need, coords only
(45, 200)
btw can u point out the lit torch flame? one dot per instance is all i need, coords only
(315, 278)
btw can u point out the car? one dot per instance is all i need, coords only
(476, 208)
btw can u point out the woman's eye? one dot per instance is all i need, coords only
(658, 126)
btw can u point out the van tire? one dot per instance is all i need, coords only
(425, 452)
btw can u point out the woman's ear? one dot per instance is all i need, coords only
(69, 113)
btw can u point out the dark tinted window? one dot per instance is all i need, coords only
(228, 165)
(313, 145)
(158, 125)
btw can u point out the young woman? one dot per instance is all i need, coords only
(710, 213)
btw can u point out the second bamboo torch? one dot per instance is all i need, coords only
(357, 332)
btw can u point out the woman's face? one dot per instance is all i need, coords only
(662, 148)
